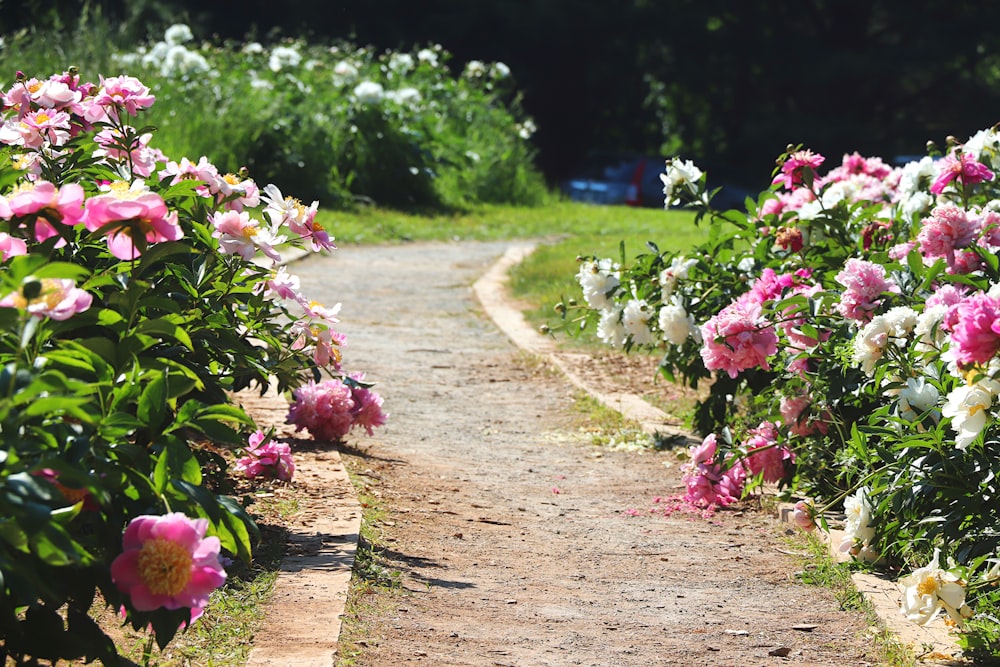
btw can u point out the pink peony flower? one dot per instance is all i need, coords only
(804, 516)
(330, 409)
(864, 283)
(765, 456)
(116, 93)
(737, 338)
(974, 326)
(167, 562)
(138, 156)
(266, 458)
(46, 203)
(964, 168)
(58, 299)
(708, 483)
(948, 228)
(137, 212)
(11, 246)
(235, 231)
(367, 411)
(793, 408)
(792, 169)
(324, 409)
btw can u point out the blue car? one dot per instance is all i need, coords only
(634, 180)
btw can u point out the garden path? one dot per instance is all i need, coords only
(518, 541)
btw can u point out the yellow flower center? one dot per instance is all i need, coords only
(42, 117)
(21, 162)
(232, 179)
(123, 190)
(928, 586)
(164, 566)
(34, 87)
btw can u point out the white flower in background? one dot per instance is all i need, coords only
(675, 323)
(253, 48)
(928, 330)
(984, 145)
(610, 328)
(598, 279)
(968, 407)
(635, 319)
(428, 56)
(858, 528)
(929, 589)
(810, 210)
(283, 57)
(404, 96)
(500, 70)
(916, 204)
(892, 328)
(846, 190)
(916, 397)
(917, 176)
(900, 320)
(181, 61)
(746, 265)
(678, 270)
(677, 177)
(526, 129)
(401, 62)
(473, 155)
(344, 73)
(474, 69)
(178, 33)
(369, 92)
(260, 84)
(156, 55)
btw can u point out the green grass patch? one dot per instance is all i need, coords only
(567, 229)
(820, 569)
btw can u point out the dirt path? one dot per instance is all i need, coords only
(519, 542)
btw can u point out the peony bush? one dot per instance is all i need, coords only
(138, 293)
(846, 323)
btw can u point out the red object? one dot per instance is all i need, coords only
(633, 196)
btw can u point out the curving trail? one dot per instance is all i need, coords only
(518, 541)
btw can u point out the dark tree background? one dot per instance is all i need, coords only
(722, 82)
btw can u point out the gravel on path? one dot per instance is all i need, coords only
(517, 540)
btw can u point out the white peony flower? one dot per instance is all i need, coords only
(283, 57)
(679, 176)
(598, 279)
(858, 528)
(369, 92)
(635, 319)
(678, 270)
(929, 589)
(610, 329)
(401, 62)
(428, 56)
(404, 96)
(675, 323)
(916, 398)
(870, 344)
(178, 34)
(968, 407)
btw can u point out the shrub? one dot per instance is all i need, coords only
(855, 309)
(137, 293)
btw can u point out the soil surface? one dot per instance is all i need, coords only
(518, 541)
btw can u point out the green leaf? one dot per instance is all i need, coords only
(164, 327)
(152, 407)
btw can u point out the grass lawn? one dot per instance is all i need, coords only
(566, 229)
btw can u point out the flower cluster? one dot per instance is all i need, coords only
(329, 410)
(853, 315)
(266, 458)
(138, 292)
